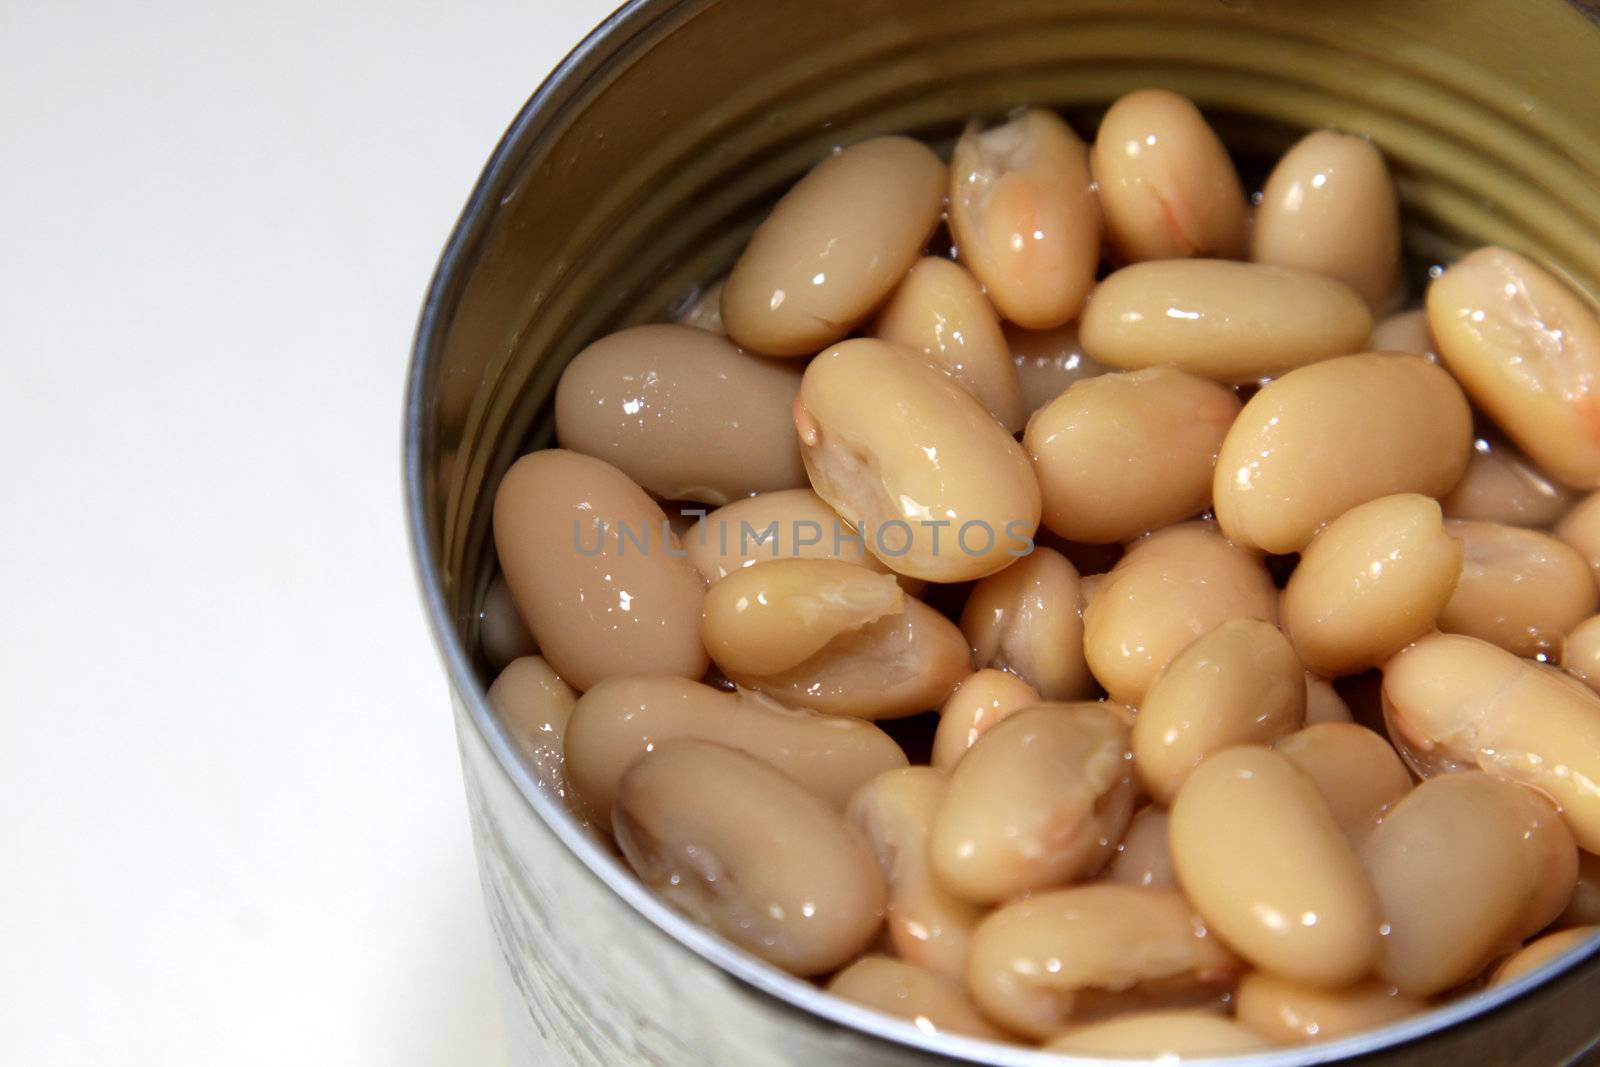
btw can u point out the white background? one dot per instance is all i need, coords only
(231, 818)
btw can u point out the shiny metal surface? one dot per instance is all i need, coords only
(635, 172)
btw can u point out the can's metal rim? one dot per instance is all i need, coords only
(538, 121)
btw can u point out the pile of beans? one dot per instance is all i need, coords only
(1257, 615)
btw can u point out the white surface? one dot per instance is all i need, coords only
(231, 819)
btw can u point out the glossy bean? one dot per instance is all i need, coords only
(1232, 322)
(535, 705)
(834, 247)
(900, 665)
(1536, 954)
(790, 523)
(1047, 362)
(1581, 529)
(1260, 855)
(1405, 331)
(931, 1002)
(985, 698)
(1122, 454)
(1325, 438)
(1025, 218)
(1026, 620)
(1163, 1036)
(1503, 485)
(1166, 183)
(1286, 1012)
(682, 412)
(938, 489)
(1329, 207)
(1170, 588)
(501, 632)
(926, 925)
(1369, 584)
(1519, 589)
(1527, 350)
(621, 719)
(1580, 652)
(596, 571)
(1039, 801)
(1456, 702)
(1466, 866)
(1143, 858)
(1323, 702)
(940, 311)
(780, 873)
(1583, 907)
(1237, 684)
(765, 620)
(1045, 960)
(1356, 770)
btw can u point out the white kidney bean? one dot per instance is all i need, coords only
(834, 247)
(1324, 438)
(1026, 620)
(1519, 589)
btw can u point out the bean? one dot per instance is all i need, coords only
(621, 719)
(704, 310)
(1583, 909)
(1580, 652)
(1501, 485)
(1453, 702)
(1581, 530)
(683, 413)
(938, 489)
(985, 698)
(1536, 954)
(1237, 684)
(764, 620)
(1356, 771)
(1040, 962)
(595, 570)
(1323, 702)
(1047, 362)
(926, 925)
(1527, 350)
(1374, 580)
(1519, 589)
(1121, 454)
(1466, 866)
(900, 665)
(780, 873)
(1170, 588)
(502, 634)
(789, 523)
(940, 311)
(1143, 858)
(1405, 331)
(1160, 1035)
(1025, 218)
(1260, 855)
(931, 1002)
(1026, 620)
(1286, 1012)
(1322, 439)
(1040, 800)
(1234, 323)
(1329, 207)
(834, 247)
(1166, 183)
(535, 705)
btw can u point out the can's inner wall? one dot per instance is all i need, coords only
(634, 184)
